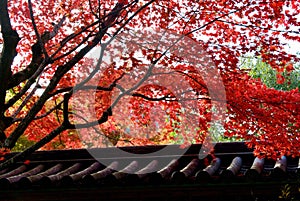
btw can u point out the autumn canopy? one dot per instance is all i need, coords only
(100, 73)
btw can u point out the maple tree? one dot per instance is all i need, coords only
(52, 89)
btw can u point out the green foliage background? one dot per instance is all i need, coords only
(263, 71)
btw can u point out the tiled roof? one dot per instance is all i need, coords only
(76, 175)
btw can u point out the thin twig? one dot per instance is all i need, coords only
(39, 38)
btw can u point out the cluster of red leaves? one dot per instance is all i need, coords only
(266, 118)
(3, 152)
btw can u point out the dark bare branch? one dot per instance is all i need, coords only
(10, 42)
(21, 76)
(40, 38)
(67, 97)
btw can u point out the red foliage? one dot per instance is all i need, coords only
(123, 1)
(267, 119)
(26, 162)
(280, 78)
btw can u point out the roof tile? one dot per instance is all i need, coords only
(232, 164)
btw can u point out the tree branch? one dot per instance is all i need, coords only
(22, 155)
(21, 76)
(83, 88)
(67, 97)
(40, 39)
(28, 84)
(10, 42)
(36, 66)
(57, 107)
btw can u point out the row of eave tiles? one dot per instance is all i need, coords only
(60, 174)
